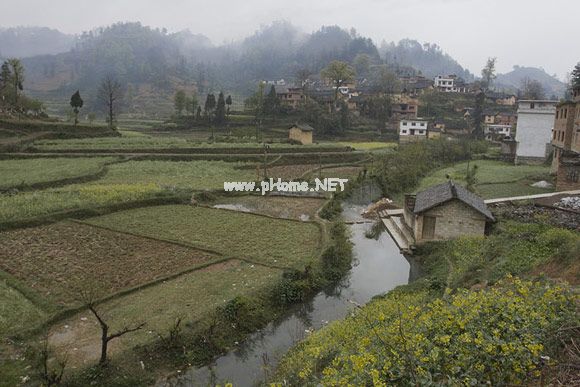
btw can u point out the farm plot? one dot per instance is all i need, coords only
(494, 178)
(27, 205)
(104, 143)
(55, 260)
(186, 174)
(24, 172)
(191, 297)
(277, 206)
(277, 242)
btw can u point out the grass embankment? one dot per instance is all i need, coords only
(139, 141)
(275, 242)
(370, 146)
(436, 331)
(494, 178)
(18, 173)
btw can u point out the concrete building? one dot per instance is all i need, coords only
(496, 132)
(534, 130)
(445, 211)
(413, 130)
(301, 134)
(449, 84)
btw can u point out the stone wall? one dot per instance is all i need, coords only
(568, 176)
(454, 219)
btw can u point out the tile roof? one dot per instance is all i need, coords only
(442, 193)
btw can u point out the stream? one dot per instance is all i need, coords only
(378, 267)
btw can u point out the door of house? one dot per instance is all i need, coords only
(429, 227)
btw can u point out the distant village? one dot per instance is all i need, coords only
(529, 131)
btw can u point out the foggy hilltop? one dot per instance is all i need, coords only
(152, 59)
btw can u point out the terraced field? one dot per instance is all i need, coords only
(190, 297)
(26, 205)
(25, 172)
(276, 242)
(195, 175)
(494, 178)
(58, 259)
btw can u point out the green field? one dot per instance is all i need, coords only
(16, 311)
(27, 205)
(23, 172)
(281, 243)
(494, 178)
(195, 175)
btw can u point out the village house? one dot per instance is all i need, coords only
(495, 132)
(413, 130)
(506, 118)
(415, 85)
(301, 134)
(445, 211)
(501, 98)
(433, 133)
(289, 97)
(566, 144)
(534, 130)
(563, 132)
(405, 108)
(449, 84)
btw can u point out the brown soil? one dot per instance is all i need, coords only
(55, 259)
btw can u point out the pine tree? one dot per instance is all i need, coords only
(220, 112)
(76, 102)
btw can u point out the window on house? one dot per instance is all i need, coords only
(422, 124)
(532, 105)
(557, 112)
(404, 123)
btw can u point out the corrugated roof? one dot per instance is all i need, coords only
(442, 193)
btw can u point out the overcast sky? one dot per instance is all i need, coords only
(524, 32)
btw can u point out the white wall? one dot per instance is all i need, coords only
(534, 131)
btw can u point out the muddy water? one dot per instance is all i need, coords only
(378, 268)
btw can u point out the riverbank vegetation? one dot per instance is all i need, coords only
(466, 320)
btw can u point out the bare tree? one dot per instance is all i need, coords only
(110, 94)
(88, 297)
(532, 89)
(49, 374)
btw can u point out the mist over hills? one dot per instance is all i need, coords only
(553, 87)
(152, 63)
(22, 42)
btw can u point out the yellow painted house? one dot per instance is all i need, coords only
(301, 134)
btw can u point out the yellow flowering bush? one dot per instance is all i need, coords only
(495, 336)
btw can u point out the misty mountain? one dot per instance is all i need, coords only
(513, 80)
(153, 63)
(22, 42)
(427, 58)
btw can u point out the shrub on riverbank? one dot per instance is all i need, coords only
(401, 170)
(497, 336)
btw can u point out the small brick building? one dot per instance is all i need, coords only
(445, 211)
(301, 134)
